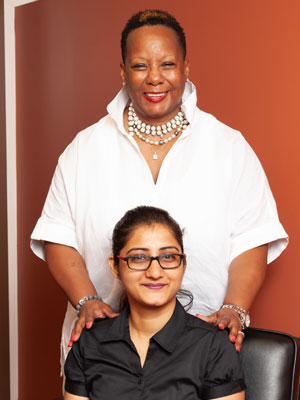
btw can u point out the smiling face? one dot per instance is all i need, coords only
(155, 73)
(155, 287)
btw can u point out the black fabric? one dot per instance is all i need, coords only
(187, 359)
(268, 360)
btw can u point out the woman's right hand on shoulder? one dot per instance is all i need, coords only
(91, 310)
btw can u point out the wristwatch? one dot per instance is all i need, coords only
(244, 315)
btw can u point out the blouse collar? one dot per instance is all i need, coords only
(189, 103)
(167, 337)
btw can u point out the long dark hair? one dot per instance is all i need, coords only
(146, 215)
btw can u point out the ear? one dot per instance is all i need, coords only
(114, 268)
(184, 264)
(122, 73)
(186, 68)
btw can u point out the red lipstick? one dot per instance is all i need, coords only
(155, 97)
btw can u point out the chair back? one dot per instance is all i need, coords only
(268, 360)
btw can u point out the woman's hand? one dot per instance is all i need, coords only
(246, 275)
(227, 318)
(91, 310)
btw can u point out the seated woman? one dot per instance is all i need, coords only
(154, 349)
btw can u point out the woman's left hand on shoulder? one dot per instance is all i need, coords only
(226, 318)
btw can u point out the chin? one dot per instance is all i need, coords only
(156, 302)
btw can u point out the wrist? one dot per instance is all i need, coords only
(243, 314)
(84, 299)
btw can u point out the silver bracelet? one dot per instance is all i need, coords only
(84, 299)
(243, 314)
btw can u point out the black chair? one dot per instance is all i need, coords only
(269, 363)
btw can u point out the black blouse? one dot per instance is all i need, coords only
(187, 359)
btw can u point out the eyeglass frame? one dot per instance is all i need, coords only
(181, 255)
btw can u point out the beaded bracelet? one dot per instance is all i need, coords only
(84, 299)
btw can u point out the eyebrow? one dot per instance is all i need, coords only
(137, 248)
(146, 249)
(140, 59)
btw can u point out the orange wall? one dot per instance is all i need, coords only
(245, 61)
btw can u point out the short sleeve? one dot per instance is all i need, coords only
(224, 375)
(74, 371)
(57, 222)
(254, 215)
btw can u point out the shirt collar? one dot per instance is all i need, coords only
(189, 102)
(167, 337)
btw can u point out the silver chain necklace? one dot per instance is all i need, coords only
(148, 133)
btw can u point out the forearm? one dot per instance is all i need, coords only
(246, 275)
(236, 396)
(68, 269)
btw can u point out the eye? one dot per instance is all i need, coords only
(139, 258)
(168, 64)
(169, 257)
(139, 66)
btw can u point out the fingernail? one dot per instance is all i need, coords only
(88, 325)
(233, 339)
(238, 349)
(222, 326)
(74, 338)
(70, 344)
(197, 315)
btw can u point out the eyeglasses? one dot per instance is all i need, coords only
(141, 262)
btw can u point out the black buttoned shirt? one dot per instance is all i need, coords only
(187, 359)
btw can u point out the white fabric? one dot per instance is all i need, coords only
(211, 182)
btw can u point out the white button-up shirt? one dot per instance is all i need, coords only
(211, 182)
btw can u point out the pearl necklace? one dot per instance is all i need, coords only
(140, 129)
(136, 126)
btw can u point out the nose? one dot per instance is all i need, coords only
(154, 271)
(154, 76)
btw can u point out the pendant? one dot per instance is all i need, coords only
(155, 156)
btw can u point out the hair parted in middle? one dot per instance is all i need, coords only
(152, 18)
(146, 215)
(142, 215)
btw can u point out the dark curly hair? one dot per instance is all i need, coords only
(151, 18)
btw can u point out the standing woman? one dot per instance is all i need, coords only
(155, 147)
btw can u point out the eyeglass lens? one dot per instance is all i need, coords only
(168, 260)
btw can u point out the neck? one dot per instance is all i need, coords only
(146, 322)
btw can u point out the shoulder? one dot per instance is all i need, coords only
(92, 137)
(202, 328)
(101, 326)
(216, 341)
(198, 323)
(198, 328)
(98, 331)
(214, 128)
(104, 125)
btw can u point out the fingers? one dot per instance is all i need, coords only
(212, 319)
(202, 317)
(239, 340)
(76, 332)
(227, 318)
(91, 310)
(230, 319)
